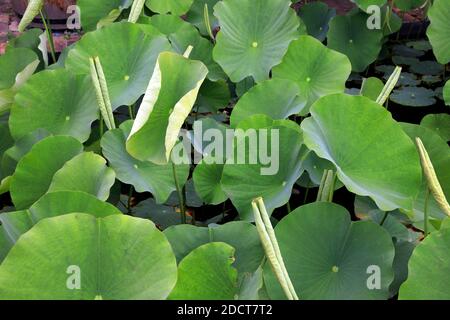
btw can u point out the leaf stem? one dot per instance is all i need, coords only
(181, 198)
(425, 213)
(49, 33)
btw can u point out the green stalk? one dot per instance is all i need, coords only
(425, 213)
(49, 33)
(432, 179)
(271, 248)
(101, 89)
(326, 188)
(389, 86)
(208, 22)
(180, 194)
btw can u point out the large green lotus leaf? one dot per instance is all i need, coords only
(243, 182)
(145, 176)
(86, 172)
(182, 35)
(213, 96)
(317, 16)
(276, 98)
(439, 30)
(128, 55)
(57, 101)
(372, 154)
(35, 171)
(243, 236)
(207, 274)
(207, 176)
(439, 153)
(14, 224)
(439, 123)
(176, 7)
(317, 70)
(349, 34)
(17, 66)
(170, 96)
(196, 15)
(429, 267)
(118, 257)
(12, 156)
(92, 12)
(246, 46)
(364, 4)
(329, 257)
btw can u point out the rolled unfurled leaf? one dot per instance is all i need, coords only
(208, 22)
(271, 248)
(326, 189)
(136, 10)
(33, 9)
(432, 179)
(390, 85)
(101, 89)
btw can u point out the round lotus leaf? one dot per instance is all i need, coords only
(246, 180)
(276, 98)
(207, 274)
(413, 97)
(317, 16)
(429, 68)
(22, 146)
(207, 178)
(13, 62)
(328, 257)
(35, 171)
(439, 154)
(176, 7)
(213, 96)
(245, 46)
(423, 45)
(317, 70)
(93, 12)
(57, 101)
(429, 267)
(372, 88)
(242, 236)
(439, 30)
(196, 15)
(406, 51)
(128, 55)
(117, 257)
(405, 61)
(85, 172)
(439, 123)
(145, 176)
(372, 154)
(17, 66)
(182, 35)
(51, 205)
(350, 35)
